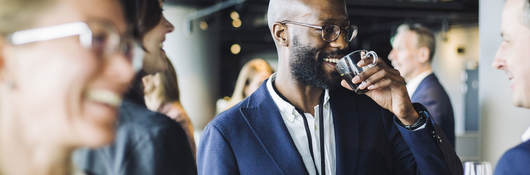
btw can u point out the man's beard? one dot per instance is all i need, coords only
(307, 68)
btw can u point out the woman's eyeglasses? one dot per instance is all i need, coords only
(101, 37)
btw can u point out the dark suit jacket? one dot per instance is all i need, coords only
(251, 138)
(431, 94)
(515, 161)
(146, 143)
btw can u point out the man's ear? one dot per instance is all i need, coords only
(279, 33)
(2, 57)
(424, 54)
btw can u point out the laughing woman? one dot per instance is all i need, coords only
(64, 65)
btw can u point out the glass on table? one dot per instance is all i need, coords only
(477, 168)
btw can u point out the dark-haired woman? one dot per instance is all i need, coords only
(147, 143)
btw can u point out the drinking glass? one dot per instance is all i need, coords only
(477, 168)
(347, 67)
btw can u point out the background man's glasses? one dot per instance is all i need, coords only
(330, 32)
(101, 37)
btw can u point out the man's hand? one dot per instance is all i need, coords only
(387, 88)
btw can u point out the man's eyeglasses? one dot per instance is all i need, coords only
(101, 37)
(330, 32)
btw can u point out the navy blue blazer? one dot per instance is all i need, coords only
(251, 138)
(432, 95)
(515, 161)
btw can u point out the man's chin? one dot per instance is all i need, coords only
(333, 81)
(520, 102)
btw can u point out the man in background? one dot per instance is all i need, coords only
(412, 52)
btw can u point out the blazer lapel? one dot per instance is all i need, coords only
(346, 124)
(427, 80)
(264, 119)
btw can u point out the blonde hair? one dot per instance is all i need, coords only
(20, 14)
(250, 69)
(166, 91)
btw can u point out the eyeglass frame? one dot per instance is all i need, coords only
(79, 28)
(321, 28)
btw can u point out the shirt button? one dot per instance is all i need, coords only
(291, 117)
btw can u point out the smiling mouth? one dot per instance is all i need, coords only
(105, 97)
(331, 60)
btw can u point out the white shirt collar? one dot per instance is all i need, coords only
(526, 136)
(284, 106)
(413, 83)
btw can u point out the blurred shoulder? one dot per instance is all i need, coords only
(139, 120)
(515, 160)
(230, 117)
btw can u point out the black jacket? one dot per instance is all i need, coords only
(146, 143)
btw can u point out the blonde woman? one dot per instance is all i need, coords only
(250, 78)
(162, 95)
(64, 65)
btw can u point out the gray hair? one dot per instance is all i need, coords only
(425, 36)
(20, 14)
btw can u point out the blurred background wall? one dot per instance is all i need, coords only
(196, 57)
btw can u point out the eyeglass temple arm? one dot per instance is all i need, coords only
(301, 24)
(53, 32)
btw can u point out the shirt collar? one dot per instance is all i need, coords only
(413, 83)
(284, 106)
(526, 136)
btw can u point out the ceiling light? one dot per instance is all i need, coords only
(235, 49)
(237, 23)
(234, 15)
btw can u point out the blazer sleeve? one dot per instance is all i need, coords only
(215, 155)
(165, 151)
(431, 149)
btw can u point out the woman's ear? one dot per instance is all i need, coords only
(279, 33)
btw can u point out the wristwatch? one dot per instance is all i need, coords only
(422, 119)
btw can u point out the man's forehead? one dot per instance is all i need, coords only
(322, 11)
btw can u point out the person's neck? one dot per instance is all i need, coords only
(24, 155)
(418, 71)
(303, 97)
(49, 161)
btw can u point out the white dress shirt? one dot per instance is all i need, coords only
(526, 136)
(413, 84)
(295, 125)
